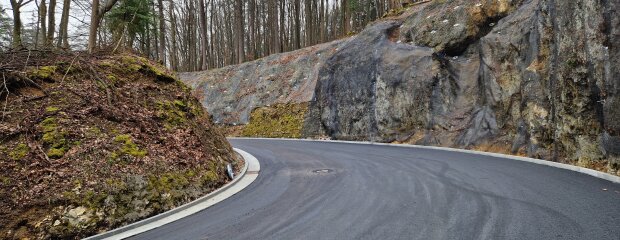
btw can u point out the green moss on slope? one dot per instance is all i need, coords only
(280, 121)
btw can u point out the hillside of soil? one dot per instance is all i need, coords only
(90, 143)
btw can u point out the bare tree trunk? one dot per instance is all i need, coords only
(17, 23)
(320, 22)
(95, 19)
(230, 39)
(154, 41)
(162, 32)
(252, 29)
(239, 19)
(282, 32)
(94, 25)
(203, 32)
(273, 23)
(51, 24)
(346, 18)
(173, 38)
(289, 21)
(308, 18)
(216, 57)
(41, 39)
(191, 37)
(297, 24)
(63, 38)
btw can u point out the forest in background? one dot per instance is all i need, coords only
(186, 35)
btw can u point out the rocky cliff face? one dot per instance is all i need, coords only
(530, 77)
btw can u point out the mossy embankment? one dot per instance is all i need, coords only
(90, 143)
(279, 121)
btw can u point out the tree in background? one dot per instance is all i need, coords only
(234, 31)
(189, 35)
(97, 13)
(41, 24)
(63, 33)
(51, 24)
(5, 29)
(128, 20)
(17, 22)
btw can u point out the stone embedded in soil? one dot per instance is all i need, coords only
(78, 216)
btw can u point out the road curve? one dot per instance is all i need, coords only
(386, 192)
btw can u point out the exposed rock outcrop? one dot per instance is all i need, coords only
(530, 77)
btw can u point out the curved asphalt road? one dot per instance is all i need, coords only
(383, 192)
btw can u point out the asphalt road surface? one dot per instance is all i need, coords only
(315, 190)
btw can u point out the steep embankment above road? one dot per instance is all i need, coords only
(528, 77)
(88, 143)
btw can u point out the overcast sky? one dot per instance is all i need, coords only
(78, 17)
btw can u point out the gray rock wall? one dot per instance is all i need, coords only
(533, 77)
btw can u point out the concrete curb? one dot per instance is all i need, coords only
(591, 172)
(245, 178)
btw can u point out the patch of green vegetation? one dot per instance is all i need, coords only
(190, 173)
(160, 73)
(125, 64)
(20, 151)
(183, 87)
(128, 147)
(209, 177)
(115, 185)
(179, 104)
(174, 113)
(67, 68)
(56, 152)
(167, 190)
(93, 132)
(92, 200)
(71, 196)
(51, 109)
(54, 138)
(113, 79)
(131, 64)
(196, 109)
(168, 182)
(49, 125)
(106, 64)
(282, 120)
(44, 72)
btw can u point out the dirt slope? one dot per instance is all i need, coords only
(89, 143)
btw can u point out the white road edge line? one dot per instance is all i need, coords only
(591, 172)
(245, 178)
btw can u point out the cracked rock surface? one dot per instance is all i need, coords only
(539, 78)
